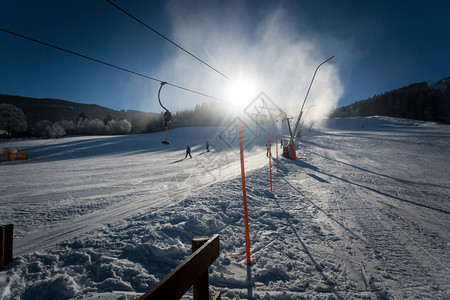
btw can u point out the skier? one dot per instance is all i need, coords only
(188, 152)
(268, 150)
(207, 146)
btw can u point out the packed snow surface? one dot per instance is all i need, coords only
(365, 213)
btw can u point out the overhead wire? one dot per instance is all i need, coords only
(166, 38)
(107, 64)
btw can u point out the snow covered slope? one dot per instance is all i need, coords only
(364, 214)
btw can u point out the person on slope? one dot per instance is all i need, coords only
(188, 151)
(207, 146)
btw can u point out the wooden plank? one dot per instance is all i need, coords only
(178, 282)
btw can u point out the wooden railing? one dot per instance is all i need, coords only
(6, 245)
(191, 272)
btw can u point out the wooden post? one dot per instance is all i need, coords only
(6, 245)
(175, 284)
(200, 289)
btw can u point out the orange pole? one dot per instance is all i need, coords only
(270, 161)
(244, 194)
(276, 147)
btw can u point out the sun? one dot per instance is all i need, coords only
(241, 91)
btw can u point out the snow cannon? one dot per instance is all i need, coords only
(289, 150)
(292, 154)
(288, 145)
(167, 114)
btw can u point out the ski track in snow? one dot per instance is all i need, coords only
(364, 214)
(382, 229)
(97, 191)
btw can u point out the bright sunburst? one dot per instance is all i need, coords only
(242, 91)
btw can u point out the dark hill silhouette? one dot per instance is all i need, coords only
(55, 110)
(42, 115)
(417, 101)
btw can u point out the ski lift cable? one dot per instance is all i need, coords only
(166, 38)
(195, 92)
(108, 64)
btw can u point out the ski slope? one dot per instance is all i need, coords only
(364, 214)
(79, 183)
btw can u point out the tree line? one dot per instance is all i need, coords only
(13, 122)
(417, 101)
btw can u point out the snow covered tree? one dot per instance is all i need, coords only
(108, 119)
(55, 131)
(144, 123)
(119, 127)
(92, 127)
(40, 128)
(81, 117)
(12, 119)
(68, 126)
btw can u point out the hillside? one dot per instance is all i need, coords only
(54, 118)
(363, 215)
(417, 101)
(55, 110)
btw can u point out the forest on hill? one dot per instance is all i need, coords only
(53, 118)
(417, 101)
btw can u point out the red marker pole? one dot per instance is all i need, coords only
(276, 147)
(270, 161)
(244, 194)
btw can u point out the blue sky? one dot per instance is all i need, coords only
(270, 46)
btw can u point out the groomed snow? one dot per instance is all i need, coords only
(364, 214)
